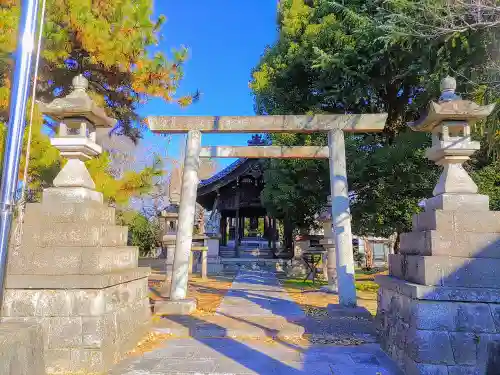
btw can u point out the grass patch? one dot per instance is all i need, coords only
(366, 286)
(363, 285)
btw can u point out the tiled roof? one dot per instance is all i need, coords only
(223, 173)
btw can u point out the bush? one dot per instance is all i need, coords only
(142, 232)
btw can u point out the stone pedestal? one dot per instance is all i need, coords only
(440, 306)
(301, 245)
(76, 277)
(214, 263)
(168, 241)
(328, 243)
(330, 264)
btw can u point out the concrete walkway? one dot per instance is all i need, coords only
(257, 299)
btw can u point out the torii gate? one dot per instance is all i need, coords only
(335, 125)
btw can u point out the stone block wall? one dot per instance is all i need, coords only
(440, 305)
(21, 349)
(75, 277)
(433, 336)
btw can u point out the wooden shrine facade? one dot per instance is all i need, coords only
(235, 193)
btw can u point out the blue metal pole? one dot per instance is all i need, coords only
(17, 116)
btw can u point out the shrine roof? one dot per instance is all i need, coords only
(223, 173)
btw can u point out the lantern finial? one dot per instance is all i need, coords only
(80, 83)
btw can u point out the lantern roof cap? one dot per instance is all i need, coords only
(450, 107)
(77, 104)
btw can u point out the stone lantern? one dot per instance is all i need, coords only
(328, 242)
(170, 215)
(78, 117)
(449, 120)
(73, 273)
(438, 308)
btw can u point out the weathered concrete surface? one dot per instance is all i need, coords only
(436, 337)
(255, 331)
(175, 307)
(446, 270)
(258, 293)
(248, 357)
(21, 349)
(464, 244)
(271, 152)
(458, 202)
(457, 222)
(267, 124)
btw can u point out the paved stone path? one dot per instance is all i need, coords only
(259, 293)
(254, 296)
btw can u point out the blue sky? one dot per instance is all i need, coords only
(225, 39)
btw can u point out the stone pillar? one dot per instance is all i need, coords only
(341, 218)
(184, 239)
(328, 243)
(439, 307)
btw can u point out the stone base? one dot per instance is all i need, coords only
(70, 195)
(297, 269)
(181, 307)
(215, 268)
(85, 330)
(21, 349)
(439, 332)
(458, 202)
(342, 311)
(329, 289)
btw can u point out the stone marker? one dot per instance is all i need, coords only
(328, 243)
(440, 305)
(74, 273)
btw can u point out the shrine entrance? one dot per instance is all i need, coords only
(334, 125)
(238, 219)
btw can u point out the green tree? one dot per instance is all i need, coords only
(113, 45)
(142, 232)
(296, 190)
(344, 58)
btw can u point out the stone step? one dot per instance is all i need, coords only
(457, 221)
(455, 244)
(75, 234)
(76, 261)
(88, 212)
(218, 326)
(446, 271)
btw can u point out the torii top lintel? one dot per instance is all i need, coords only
(354, 123)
